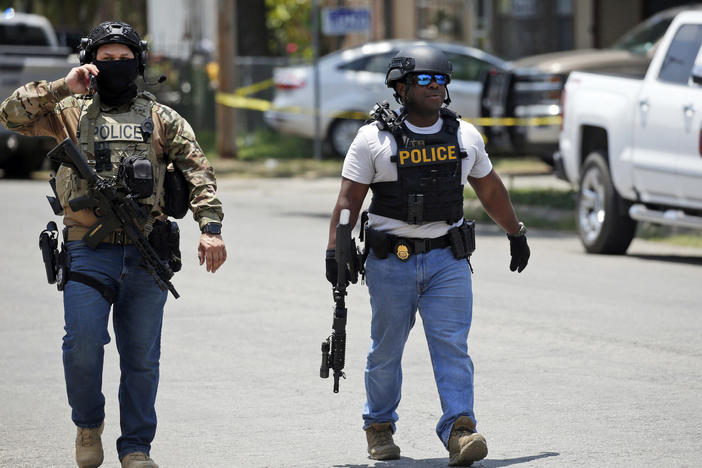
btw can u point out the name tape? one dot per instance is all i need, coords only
(427, 155)
(118, 132)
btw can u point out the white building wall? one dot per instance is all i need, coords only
(179, 28)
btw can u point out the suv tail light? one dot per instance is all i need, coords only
(289, 85)
(289, 80)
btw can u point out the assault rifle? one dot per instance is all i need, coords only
(349, 265)
(115, 208)
(389, 119)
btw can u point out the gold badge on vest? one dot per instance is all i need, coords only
(118, 132)
(434, 154)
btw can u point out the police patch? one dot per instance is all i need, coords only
(434, 154)
(118, 132)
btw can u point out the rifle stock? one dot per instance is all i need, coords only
(68, 153)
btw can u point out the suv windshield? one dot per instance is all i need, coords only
(644, 36)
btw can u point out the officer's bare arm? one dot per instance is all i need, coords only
(495, 199)
(351, 196)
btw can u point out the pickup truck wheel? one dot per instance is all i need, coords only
(603, 226)
(341, 135)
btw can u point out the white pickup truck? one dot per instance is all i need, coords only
(29, 51)
(633, 148)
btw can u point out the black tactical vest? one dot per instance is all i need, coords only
(429, 186)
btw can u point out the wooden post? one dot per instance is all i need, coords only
(226, 51)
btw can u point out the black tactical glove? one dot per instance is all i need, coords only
(519, 250)
(332, 269)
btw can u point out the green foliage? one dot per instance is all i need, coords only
(290, 23)
(266, 144)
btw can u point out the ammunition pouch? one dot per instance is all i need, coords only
(378, 241)
(165, 239)
(137, 175)
(462, 239)
(176, 193)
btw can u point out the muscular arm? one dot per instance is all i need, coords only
(495, 199)
(351, 196)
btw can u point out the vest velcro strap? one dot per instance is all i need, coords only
(415, 208)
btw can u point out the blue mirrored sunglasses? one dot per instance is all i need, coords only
(424, 79)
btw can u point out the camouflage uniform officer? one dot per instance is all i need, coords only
(112, 121)
(416, 165)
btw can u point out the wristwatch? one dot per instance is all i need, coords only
(212, 228)
(521, 232)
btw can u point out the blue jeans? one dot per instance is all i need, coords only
(439, 286)
(137, 318)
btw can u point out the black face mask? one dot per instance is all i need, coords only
(116, 82)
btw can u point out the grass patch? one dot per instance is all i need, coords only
(278, 168)
(261, 145)
(207, 141)
(522, 165)
(544, 197)
(541, 208)
(265, 153)
(265, 144)
(670, 234)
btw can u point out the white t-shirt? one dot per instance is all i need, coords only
(368, 161)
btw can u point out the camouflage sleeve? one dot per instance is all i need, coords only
(30, 109)
(186, 154)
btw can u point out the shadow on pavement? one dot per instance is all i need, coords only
(406, 462)
(487, 463)
(686, 259)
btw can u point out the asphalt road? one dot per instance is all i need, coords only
(580, 361)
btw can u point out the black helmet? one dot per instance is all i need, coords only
(113, 32)
(417, 59)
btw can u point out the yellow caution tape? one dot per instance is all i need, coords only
(254, 88)
(240, 101)
(515, 121)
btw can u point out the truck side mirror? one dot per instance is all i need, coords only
(697, 74)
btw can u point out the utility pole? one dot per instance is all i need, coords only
(317, 87)
(226, 57)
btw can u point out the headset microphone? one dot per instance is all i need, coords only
(160, 80)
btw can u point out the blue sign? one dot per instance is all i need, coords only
(339, 21)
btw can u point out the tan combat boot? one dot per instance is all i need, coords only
(138, 460)
(465, 445)
(89, 452)
(380, 444)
